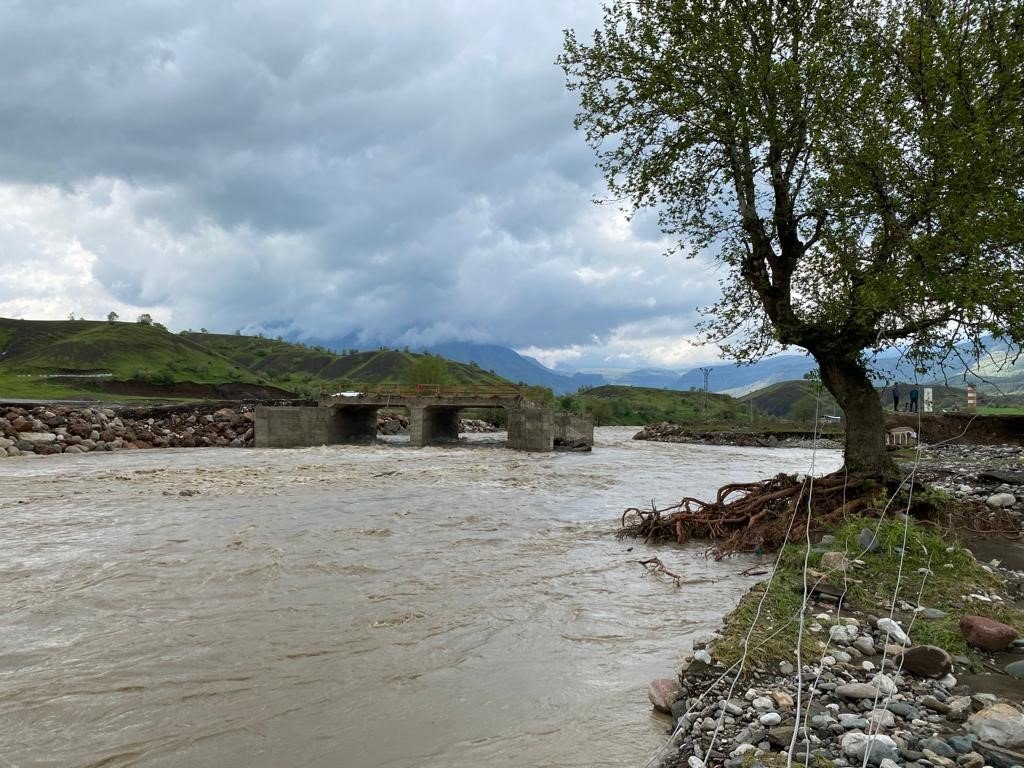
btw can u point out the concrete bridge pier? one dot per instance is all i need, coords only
(429, 424)
(531, 429)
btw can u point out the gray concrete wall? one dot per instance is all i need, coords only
(574, 428)
(432, 424)
(300, 427)
(531, 429)
(290, 427)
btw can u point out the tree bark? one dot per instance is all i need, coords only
(849, 384)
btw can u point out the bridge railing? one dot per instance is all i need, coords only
(383, 391)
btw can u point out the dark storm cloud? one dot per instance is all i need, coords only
(395, 170)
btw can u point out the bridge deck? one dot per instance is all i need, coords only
(424, 395)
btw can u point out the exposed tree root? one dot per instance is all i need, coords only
(755, 516)
(751, 517)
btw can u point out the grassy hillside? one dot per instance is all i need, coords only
(620, 404)
(71, 359)
(80, 358)
(306, 369)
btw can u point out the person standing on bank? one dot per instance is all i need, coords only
(913, 399)
(895, 397)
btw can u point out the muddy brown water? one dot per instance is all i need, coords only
(350, 606)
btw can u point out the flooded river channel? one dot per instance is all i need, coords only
(349, 606)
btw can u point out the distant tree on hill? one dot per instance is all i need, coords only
(145, 319)
(427, 369)
(112, 317)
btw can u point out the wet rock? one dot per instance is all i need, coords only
(926, 661)
(987, 634)
(662, 692)
(1015, 668)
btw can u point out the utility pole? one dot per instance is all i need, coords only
(707, 373)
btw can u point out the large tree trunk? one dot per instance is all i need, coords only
(848, 382)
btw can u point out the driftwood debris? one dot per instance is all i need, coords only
(745, 517)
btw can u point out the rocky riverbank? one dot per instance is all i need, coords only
(55, 429)
(669, 432)
(870, 695)
(869, 690)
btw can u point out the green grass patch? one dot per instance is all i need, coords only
(952, 573)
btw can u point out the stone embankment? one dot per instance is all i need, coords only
(54, 429)
(47, 430)
(869, 693)
(669, 432)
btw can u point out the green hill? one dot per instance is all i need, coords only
(69, 358)
(306, 369)
(76, 359)
(624, 405)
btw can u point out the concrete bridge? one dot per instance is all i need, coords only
(351, 417)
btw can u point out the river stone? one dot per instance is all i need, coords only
(999, 500)
(879, 747)
(884, 683)
(37, 438)
(782, 699)
(931, 613)
(843, 634)
(962, 744)
(894, 630)
(865, 645)
(971, 760)
(785, 668)
(1000, 724)
(926, 661)
(867, 541)
(882, 717)
(856, 691)
(938, 746)
(987, 634)
(1015, 668)
(662, 692)
(939, 760)
(770, 719)
(781, 737)
(762, 703)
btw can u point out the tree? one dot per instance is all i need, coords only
(428, 369)
(112, 317)
(856, 166)
(145, 319)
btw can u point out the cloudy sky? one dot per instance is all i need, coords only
(405, 171)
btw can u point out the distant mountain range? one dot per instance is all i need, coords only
(996, 372)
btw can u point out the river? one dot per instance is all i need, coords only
(350, 606)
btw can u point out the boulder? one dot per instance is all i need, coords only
(999, 724)
(999, 500)
(926, 661)
(662, 692)
(987, 634)
(38, 438)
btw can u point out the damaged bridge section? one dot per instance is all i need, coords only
(351, 418)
